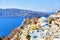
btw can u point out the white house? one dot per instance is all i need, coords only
(35, 34)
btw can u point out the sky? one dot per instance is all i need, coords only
(35, 5)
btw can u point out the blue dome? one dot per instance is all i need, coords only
(35, 36)
(38, 31)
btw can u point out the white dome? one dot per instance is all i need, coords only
(43, 18)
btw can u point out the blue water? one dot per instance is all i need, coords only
(8, 24)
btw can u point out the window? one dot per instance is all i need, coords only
(38, 31)
(57, 17)
(35, 36)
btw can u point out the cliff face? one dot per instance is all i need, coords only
(12, 33)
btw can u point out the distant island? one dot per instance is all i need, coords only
(22, 13)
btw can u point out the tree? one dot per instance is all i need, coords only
(28, 37)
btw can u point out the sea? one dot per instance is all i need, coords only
(8, 24)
